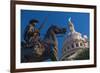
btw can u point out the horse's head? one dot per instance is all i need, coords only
(58, 30)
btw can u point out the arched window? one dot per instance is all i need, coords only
(68, 47)
(72, 45)
(64, 50)
(81, 44)
(77, 45)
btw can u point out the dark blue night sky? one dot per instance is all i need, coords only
(80, 20)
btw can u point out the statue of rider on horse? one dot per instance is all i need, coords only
(45, 48)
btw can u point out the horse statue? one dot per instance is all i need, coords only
(46, 49)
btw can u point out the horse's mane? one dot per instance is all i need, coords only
(49, 30)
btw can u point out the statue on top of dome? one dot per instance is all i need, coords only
(71, 26)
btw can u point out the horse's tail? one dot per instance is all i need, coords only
(53, 53)
(53, 57)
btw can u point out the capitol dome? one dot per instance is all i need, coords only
(73, 42)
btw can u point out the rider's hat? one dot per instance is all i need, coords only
(33, 21)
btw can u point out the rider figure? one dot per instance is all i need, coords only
(31, 33)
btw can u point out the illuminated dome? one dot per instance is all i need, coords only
(73, 41)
